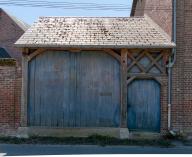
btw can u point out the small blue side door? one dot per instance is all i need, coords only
(144, 106)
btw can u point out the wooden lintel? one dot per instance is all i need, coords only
(123, 122)
(156, 49)
(64, 49)
(109, 51)
(146, 76)
(75, 50)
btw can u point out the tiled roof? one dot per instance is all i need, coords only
(95, 32)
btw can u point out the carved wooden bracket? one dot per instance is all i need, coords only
(34, 54)
(113, 53)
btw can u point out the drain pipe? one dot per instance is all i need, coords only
(172, 60)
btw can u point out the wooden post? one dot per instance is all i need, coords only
(123, 123)
(24, 96)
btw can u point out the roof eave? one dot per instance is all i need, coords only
(168, 46)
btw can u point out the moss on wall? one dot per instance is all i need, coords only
(7, 62)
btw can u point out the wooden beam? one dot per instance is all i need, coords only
(135, 61)
(155, 62)
(123, 122)
(109, 51)
(75, 50)
(131, 79)
(24, 96)
(25, 51)
(166, 55)
(37, 52)
(144, 76)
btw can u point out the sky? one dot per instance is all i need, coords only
(31, 14)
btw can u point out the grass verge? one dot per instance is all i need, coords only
(91, 140)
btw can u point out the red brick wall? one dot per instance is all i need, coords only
(10, 76)
(159, 10)
(138, 8)
(182, 73)
(187, 105)
(10, 87)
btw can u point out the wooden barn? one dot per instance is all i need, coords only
(87, 75)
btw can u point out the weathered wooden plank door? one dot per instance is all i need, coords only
(144, 105)
(98, 89)
(74, 90)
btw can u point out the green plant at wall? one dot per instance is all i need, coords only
(91, 140)
(7, 62)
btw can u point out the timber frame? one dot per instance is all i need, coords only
(123, 56)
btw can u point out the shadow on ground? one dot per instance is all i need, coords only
(11, 146)
(33, 150)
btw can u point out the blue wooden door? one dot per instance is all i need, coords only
(144, 105)
(74, 90)
(98, 89)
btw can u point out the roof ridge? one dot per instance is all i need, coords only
(91, 17)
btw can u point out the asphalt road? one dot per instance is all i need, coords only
(23, 150)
